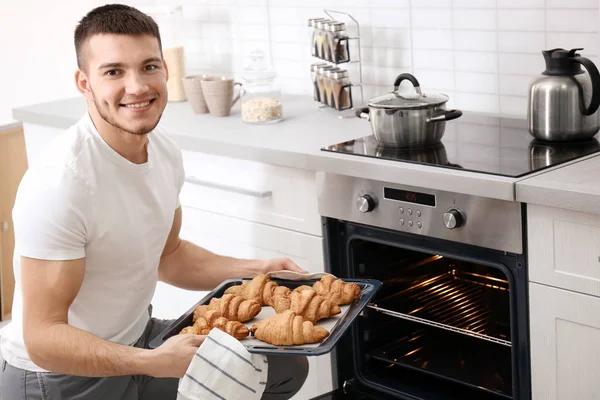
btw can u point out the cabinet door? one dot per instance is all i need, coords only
(269, 194)
(565, 333)
(564, 249)
(13, 164)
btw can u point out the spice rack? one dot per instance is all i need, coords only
(337, 90)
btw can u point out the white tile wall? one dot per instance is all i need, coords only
(483, 53)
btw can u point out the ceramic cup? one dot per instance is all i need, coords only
(219, 95)
(193, 90)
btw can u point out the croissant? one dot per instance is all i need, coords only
(308, 304)
(337, 290)
(232, 307)
(287, 329)
(260, 289)
(190, 329)
(303, 287)
(213, 319)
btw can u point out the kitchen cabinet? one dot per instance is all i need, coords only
(254, 191)
(13, 164)
(564, 249)
(565, 332)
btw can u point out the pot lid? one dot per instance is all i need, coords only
(414, 99)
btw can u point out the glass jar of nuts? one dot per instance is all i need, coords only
(261, 97)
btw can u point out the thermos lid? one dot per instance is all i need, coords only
(560, 62)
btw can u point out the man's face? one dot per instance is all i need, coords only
(127, 80)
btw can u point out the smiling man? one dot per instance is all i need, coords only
(97, 223)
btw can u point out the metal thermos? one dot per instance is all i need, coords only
(563, 102)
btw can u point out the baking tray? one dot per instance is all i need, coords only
(336, 325)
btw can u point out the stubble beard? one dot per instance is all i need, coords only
(105, 115)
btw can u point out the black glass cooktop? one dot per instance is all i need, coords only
(478, 143)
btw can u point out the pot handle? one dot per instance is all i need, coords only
(407, 77)
(363, 113)
(447, 116)
(595, 77)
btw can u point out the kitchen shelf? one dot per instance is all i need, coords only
(456, 358)
(462, 302)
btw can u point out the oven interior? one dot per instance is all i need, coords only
(437, 323)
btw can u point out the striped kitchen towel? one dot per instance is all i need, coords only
(223, 369)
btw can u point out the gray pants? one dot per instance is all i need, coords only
(286, 376)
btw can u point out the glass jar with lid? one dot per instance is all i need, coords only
(261, 97)
(170, 21)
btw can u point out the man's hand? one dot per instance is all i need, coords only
(281, 264)
(173, 358)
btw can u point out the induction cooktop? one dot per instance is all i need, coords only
(477, 143)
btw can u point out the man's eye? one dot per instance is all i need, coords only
(112, 72)
(151, 67)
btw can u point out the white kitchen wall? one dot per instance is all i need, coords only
(482, 53)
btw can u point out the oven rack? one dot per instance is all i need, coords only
(453, 302)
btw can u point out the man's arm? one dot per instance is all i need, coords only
(185, 265)
(49, 288)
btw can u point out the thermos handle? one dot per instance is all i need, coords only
(595, 76)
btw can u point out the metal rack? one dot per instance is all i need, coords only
(454, 301)
(355, 88)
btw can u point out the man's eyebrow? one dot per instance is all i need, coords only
(121, 65)
(110, 65)
(151, 60)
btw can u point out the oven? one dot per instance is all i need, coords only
(451, 319)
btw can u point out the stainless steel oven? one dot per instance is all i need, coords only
(450, 321)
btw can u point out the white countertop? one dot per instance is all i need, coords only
(574, 187)
(297, 142)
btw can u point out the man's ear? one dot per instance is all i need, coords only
(82, 83)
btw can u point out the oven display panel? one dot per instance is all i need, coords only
(409, 197)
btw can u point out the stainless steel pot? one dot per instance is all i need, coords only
(400, 120)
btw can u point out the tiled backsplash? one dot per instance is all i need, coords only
(482, 53)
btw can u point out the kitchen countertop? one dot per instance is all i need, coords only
(574, 187)
(296, 142)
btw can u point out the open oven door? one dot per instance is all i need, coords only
(352, 390)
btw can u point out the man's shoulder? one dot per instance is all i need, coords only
(64, 161)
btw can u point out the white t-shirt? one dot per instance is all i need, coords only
(82, 199)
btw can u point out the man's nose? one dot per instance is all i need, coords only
(136, 84)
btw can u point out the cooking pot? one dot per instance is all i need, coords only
(401, 120)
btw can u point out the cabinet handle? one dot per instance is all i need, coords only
(235, 189)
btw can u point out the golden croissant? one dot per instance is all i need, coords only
(337, 290)
(307, 304)
(260, 289)
(232, 307)
(303, 287)
(287, 329)
(213, 319)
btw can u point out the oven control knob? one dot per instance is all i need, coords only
(453, 219)
(365, 203)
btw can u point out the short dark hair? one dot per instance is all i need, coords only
(117, 19)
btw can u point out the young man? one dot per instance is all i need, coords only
(97, 224)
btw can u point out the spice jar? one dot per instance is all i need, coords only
(322, 82)
(327, 48)
(329, 86)
(261, 98)
(313, 33)
(342, 90)
(338, 42)
(321, 37)
(314, 72)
